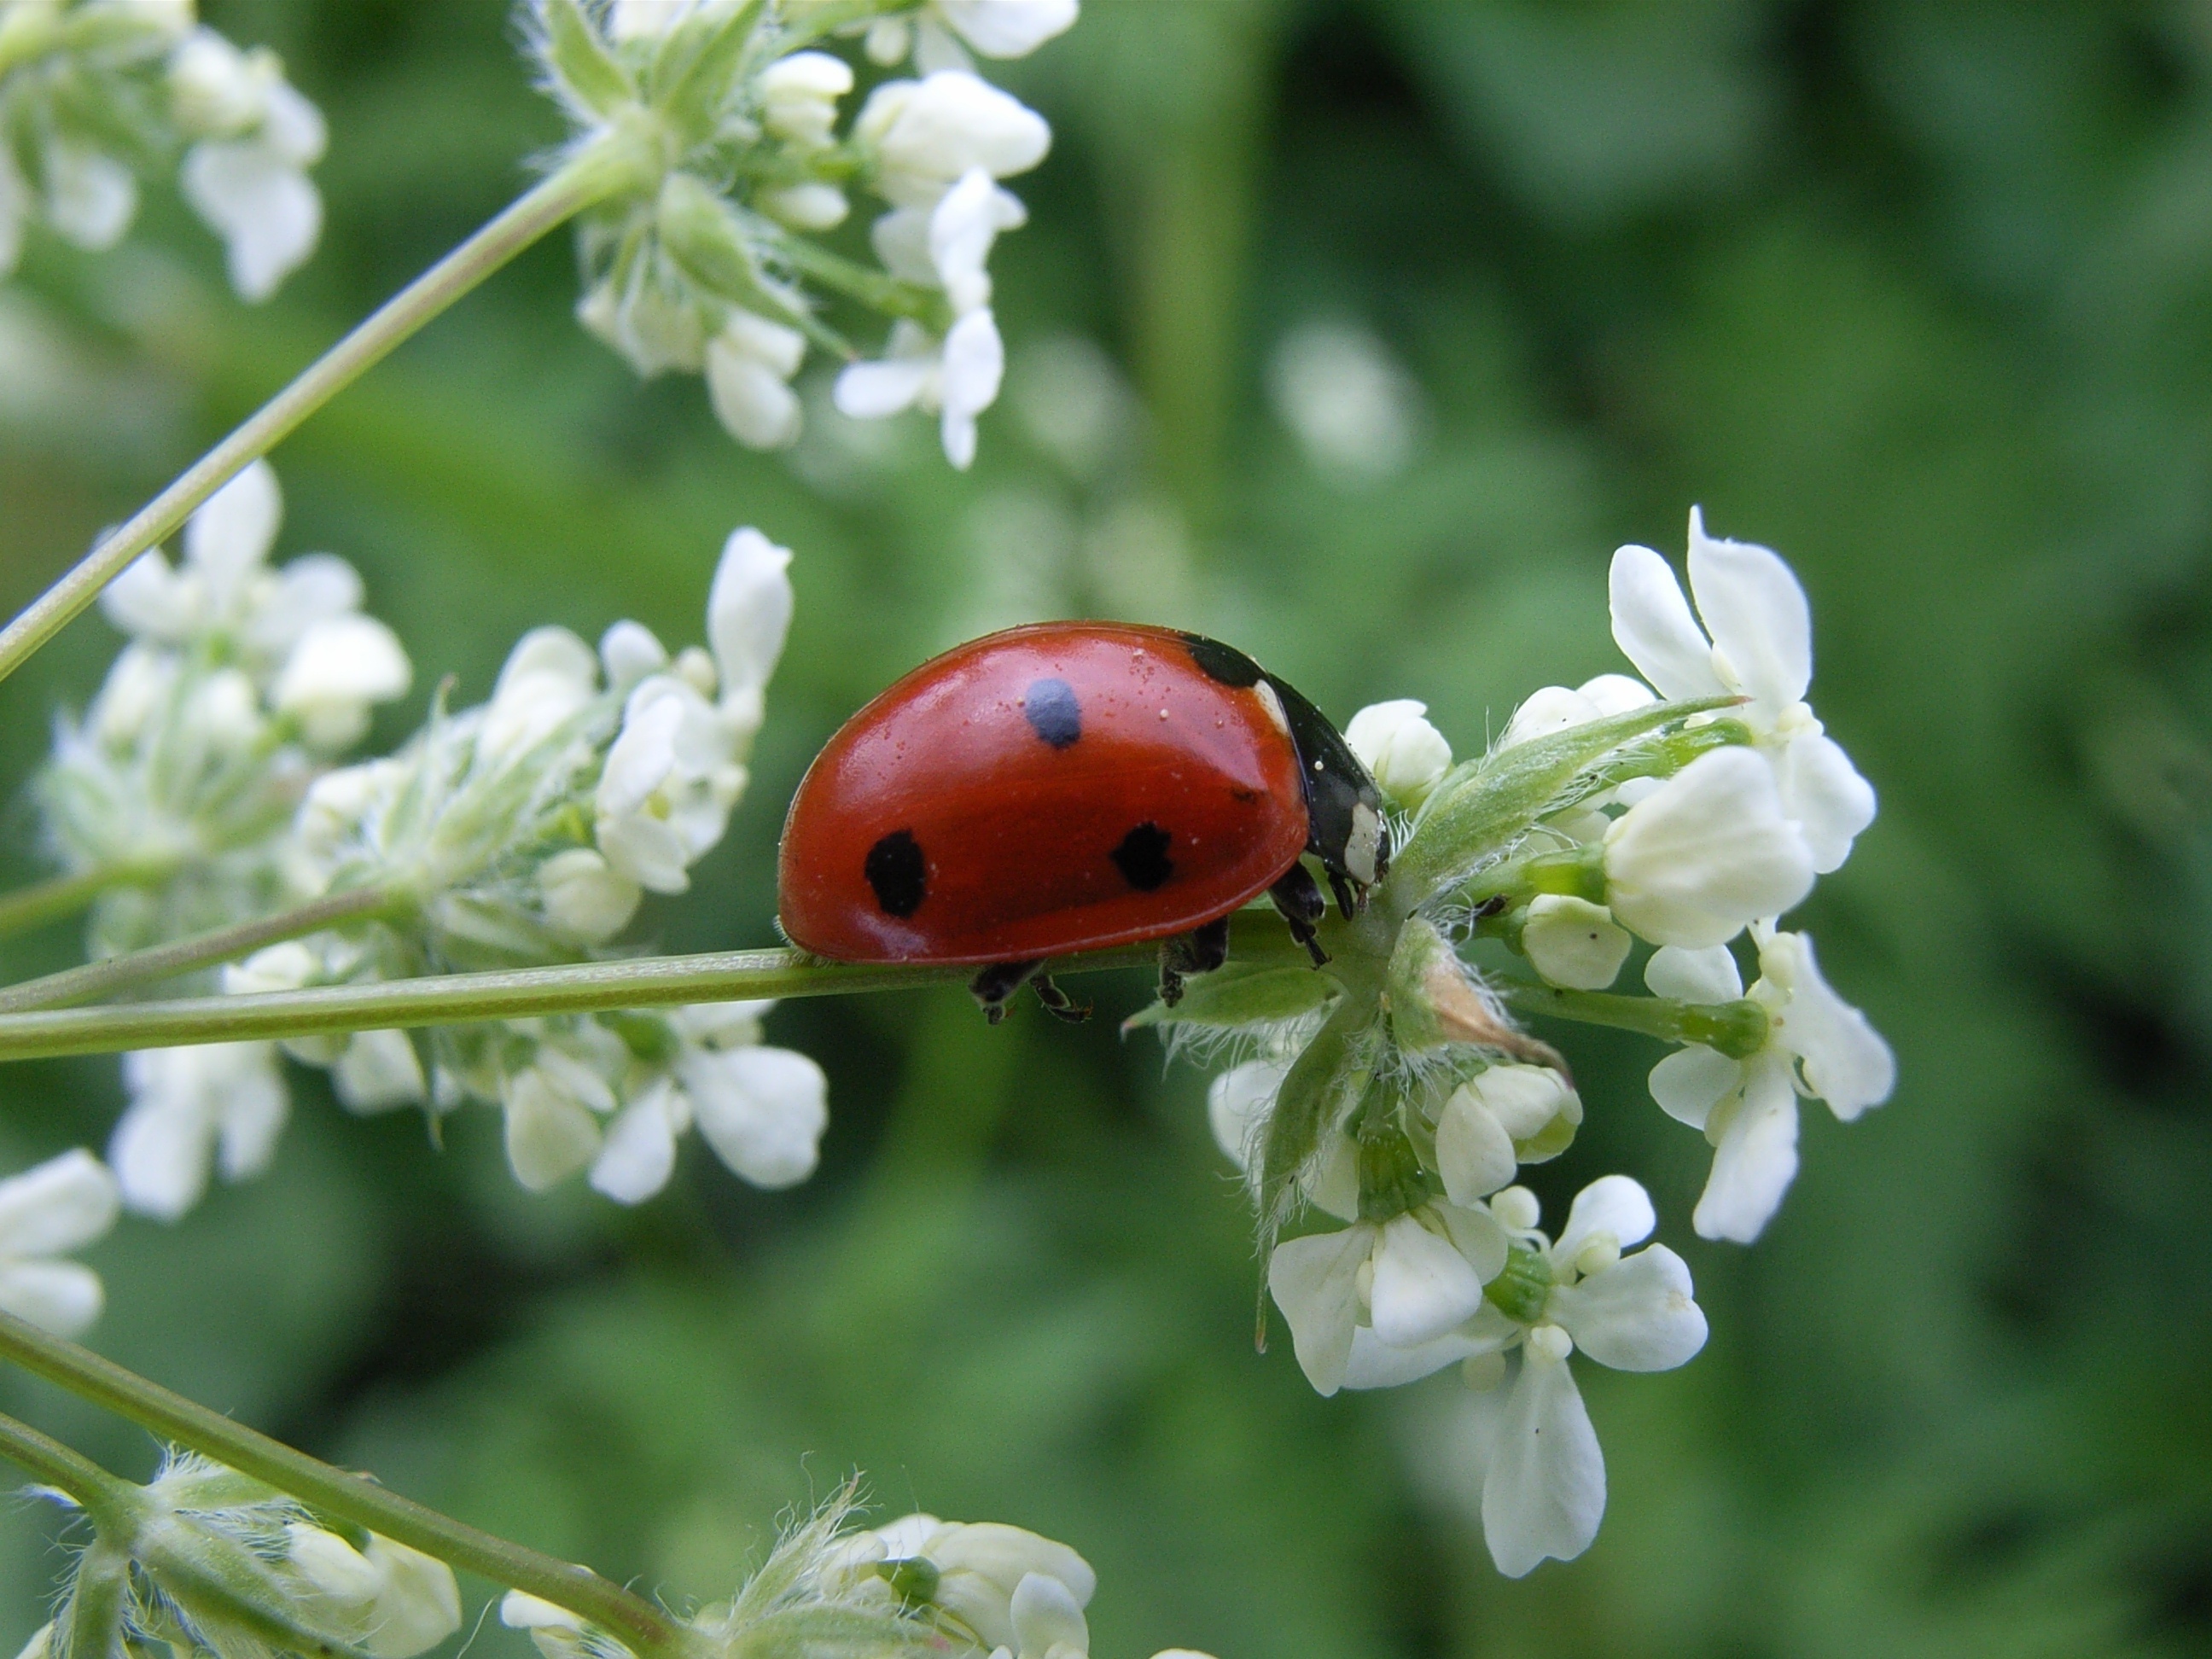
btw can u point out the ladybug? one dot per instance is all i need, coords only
(1066, 786)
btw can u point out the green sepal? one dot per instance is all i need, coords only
(1419, 951)
(1325, 1083)
(1483, 805)
(581, 59)
(1240, 994)
(697, 65)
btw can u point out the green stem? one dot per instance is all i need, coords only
(91, 1488)
(592, 175)
(51, 900)
(348, 1497)
(96, 980)
(520, 994)
(1738, 1029)
(98, 1601)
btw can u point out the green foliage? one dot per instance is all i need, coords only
(1917, 291)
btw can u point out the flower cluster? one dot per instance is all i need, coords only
(1393, 1092)
(919, 1585)
(96, 93)
(217, 1563)
(713, 263)
(177, 787)
(521, 832)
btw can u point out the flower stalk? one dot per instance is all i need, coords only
(592, 175)
(350, 1499)
(51, 900)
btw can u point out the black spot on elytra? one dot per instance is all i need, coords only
(896, 870)
(1221, 662)
(1053, 711)
(1142, 857)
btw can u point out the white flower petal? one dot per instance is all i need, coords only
(1753, 606)
(379, 1072)
(974, 365)
(337, 669)
(1397, 742)
(232, 531)
(1315, 1281)
(1475, 1154)
(64, 1297)
(1546, 711)
(1571, 942)
(586, 898)
(56, 1206)
(1845, 1060)
(1423, 1285)
(1008, 28)
(762, 1110)
(549, 1135)
(1755, 1158)
(640, 1153)
(1824, 794)
(1544, 1493)
(1653, 626)
(1237, 1104)
(1636, 1315)
(267, 213)
(160, 1152)
(1705, 974)
(875, 390)
(252, 1110)
(1045, 1615)
(751, 401)
(749, 610)
(1614, 1204)
(417, 1603)
(1616, 694)
(1693, 1080)
(1707, 853)
(91, 197)
(641, 756)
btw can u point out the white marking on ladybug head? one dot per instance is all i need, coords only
(1362, 845)
(1272, 704)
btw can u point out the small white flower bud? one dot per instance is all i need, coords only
(550, 1133)
(284, 967)
(585, 898)
(1600, 1253)
(800, 94)
(749, 367)
(647, 20)
(45, 1213)
(1548, 1345)
(338, 669)
(1574, 943)
(926, 133)
(1008, 28)
(1517, 1209)
(378, 1071)
(217, 90)
(807, 207)
(749, 610)
(1405, 752)
(629, 652)
(888, 41)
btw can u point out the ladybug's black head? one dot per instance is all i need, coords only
(1346, 828)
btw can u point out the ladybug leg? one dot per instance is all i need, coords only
(1200, 951)
(1350, 900)
(1057, 1002)
(994, 986)
(1298, 896)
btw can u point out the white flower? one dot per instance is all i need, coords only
(48, 1211)
(555, 1632)
(762, 1109)
(1007, 28)
(949, 246)
(1499, 1119)
(748, 618)
(925, 134)
(958, 376)
(221, 1102)
(1237, 1104)
(553, 1108)
(91, 196)
(1406, 1282)
(749, 368)
(254, 190)
(391, 1602)
(982, 1568)
(1551, 709)
(800, 94)
(378, 1071)
(670, 781)
(586, 898)
(1818, 1046)
(1761, 649)
(1705, 853)
(1047, 1620)
(1396, 743)
(340, 667)
(549, 677)
(1574, 943)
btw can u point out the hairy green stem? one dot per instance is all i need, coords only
(594, 174)
(1738, 1029)
(98, 1600)
(331, 1492)
(521, 993)
(91, 1488)
(95, 980)
(51, 900)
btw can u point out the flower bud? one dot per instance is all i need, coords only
(1008, 28)
(217, 90)
(749, 368)
(807, 207)
(550, 1134)
(982, 1567)
(926, 133)
(378, 1071)
(585, 898)
(1405, 752)
(340, 667)
(800, 94)
(1574, 943)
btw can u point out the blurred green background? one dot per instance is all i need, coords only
(1358, 334)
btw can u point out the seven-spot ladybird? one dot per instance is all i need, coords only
(1069, 785)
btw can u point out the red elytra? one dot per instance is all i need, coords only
(1057, 788)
